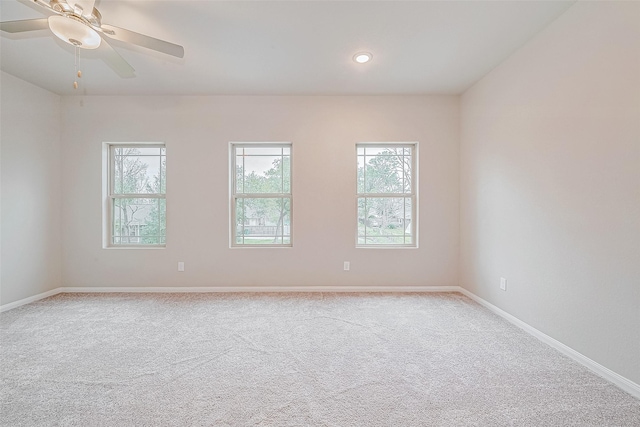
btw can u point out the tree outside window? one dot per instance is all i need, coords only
(261, 201)
(386, 195)
(137, 195)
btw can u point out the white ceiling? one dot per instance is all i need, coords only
(285, 47)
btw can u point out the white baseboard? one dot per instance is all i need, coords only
(28, 300)
(208, 289)
(606, 373)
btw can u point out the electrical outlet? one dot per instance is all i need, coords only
(503, 283)
(347, 265)
(181, 266)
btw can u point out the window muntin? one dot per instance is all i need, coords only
(386, 195)
(261, 195)
(137, 195)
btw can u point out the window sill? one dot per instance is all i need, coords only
(261, 247)
(385, 247)
(134, 247)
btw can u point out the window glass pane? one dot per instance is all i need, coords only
(384, 220)
(372, 151)
(138, 170)
(407, 160)
(153, 232)
(239, 220)
(284, 165)
(263, 221)
(407, 220)
(138, 221)
(138, 174)
(381, 176)
(385, 190)
(147, 151)
(384, 240)
(117, 168)
(261, 174)
(163, 175)
(262, 170)
(361, 174)
(382, 217)
(259, 164)
(362, 217)
(263, 151)
(389, 171)
(239, 174)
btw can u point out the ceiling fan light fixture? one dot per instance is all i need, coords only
(362, 57)
(74, 32)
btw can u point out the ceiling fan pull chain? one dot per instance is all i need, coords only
(75, 57)
(78, 72)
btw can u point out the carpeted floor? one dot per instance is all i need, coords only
(288, 360)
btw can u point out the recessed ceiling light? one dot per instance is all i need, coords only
(362, 57)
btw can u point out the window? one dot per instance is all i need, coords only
(386, 195)
(136, 195)
(261, 194)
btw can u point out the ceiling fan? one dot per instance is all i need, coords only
(79, 23)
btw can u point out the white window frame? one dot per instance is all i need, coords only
(235, 196)
(109, 178)
(413, 195)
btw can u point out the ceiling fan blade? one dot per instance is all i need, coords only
(24, 25)
(47, 6)
(115, 61)
(132, 37)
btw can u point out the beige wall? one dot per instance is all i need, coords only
(197, 132)
(550, 184)
(30, 188)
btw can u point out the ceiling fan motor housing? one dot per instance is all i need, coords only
(79, 23)
(74, 31)
(94, 18)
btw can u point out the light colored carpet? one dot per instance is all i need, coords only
(288, 360)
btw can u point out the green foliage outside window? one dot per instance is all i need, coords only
(141, 172)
